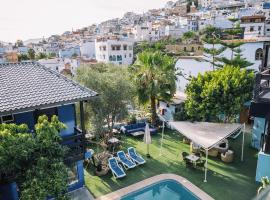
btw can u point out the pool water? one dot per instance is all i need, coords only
(163, 190)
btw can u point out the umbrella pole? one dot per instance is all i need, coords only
(206, 165)
(163, 125)
(148, 154)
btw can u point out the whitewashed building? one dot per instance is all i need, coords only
(114, 50)
(253, 26)
(88, 49)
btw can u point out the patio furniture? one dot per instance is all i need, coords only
(198, 154)
(113, 143)
(212, 152)
(223, 146)
(186, 140)
(200, 164)
(192, 158)
(116, 169)
(128, 129)
(184, 154)
(135, 157)
(227, 157)
(188, 163)
(127, 163)
(138, 133)
(194, 148)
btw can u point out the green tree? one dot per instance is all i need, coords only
(31, 54)
(116, 92)
(211, 36)
(36, 160)
(23, 57)
(218, 92)
(154, 76)
(41, 56)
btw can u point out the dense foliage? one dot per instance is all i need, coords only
(220, 92)
(115, 93)
(154, 76)
(36, 160)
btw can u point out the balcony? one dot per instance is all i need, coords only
(76, 145)
(260, 105)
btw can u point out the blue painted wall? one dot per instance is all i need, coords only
(67, 115)
(25, 118)
(257, 131)
(263, 166)
(9, 192)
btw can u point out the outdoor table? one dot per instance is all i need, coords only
(192, 158)
(113, 141)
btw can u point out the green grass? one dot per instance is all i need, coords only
(225, 181)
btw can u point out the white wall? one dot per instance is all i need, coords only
(104, 52)
(88, 49)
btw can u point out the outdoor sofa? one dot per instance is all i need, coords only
(132, 128)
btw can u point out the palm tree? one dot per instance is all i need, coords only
(154, 76)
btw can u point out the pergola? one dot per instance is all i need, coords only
(208, 135)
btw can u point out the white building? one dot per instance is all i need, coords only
(114, 50)
(253, 26)
(145, 32)
(88, 49)
(205, 3)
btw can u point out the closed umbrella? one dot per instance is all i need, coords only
(147, 138)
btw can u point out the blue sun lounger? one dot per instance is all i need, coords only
(128, 164)
(135, 157)
(116, 169)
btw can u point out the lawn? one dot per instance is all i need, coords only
(225, 181)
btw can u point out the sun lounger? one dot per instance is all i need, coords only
(128, 164)
(117, 170)
(135, 157)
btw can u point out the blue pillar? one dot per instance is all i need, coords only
(263, 164)
(9, 192)
(257, 131)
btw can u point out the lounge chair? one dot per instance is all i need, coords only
(135, 157)
(128, 164)
(117, 170)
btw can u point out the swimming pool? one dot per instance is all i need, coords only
(163, 190)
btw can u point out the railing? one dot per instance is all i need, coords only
(76, 145)
(262, 86)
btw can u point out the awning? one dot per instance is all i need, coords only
(206, 134)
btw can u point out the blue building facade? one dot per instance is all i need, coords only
(22, 103)
(67, 115)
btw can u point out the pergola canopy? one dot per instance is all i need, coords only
(206, 134)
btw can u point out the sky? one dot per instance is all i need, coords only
(30, 19)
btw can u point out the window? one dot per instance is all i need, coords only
(110, 58)
(185, 48)
(114, 58)
(251, 29)
(7, 119)
(130, 48)
(72, 174)
(192, 49)
(118, 47)
(259, 54)
(125, 47)
(130, 55)
(104, 48)
(260, 28)
(119, 58)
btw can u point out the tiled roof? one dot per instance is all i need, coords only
(29, 85)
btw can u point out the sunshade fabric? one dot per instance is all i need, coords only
(205, 134)
(147, 135)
